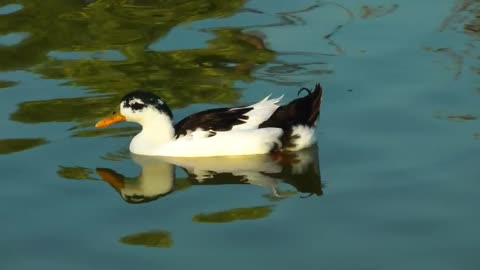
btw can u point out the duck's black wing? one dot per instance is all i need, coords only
(221, 119)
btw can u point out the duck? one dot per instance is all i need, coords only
(260, 128)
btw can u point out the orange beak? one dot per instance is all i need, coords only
(110, 120)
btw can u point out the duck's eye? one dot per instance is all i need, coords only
(114, 112)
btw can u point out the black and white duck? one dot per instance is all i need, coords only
(256, 129)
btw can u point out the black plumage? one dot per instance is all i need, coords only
(301, 111)
(221, 119)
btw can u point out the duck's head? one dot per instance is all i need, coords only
(137, 106)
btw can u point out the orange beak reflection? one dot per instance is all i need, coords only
(113, 178)
(110, 120)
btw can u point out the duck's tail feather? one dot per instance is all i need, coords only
(316, 97)
(301, 111)
(298, 115)
(305, 110)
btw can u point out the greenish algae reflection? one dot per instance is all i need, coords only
(6, 84)
(101, 25)
(181, 77)
(111, 132)
(159, 239)
(8, 146)
(75, 172)
(473, 26)
(249, 213)
(122, 154)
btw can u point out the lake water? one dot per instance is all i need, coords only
(391, 184)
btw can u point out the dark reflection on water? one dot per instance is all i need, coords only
(157, 178)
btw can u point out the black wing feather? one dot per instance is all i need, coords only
(221, 119)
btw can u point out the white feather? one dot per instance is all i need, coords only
(261, 111)
(135, 100)
(306, 137)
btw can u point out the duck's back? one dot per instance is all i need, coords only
(256, 129)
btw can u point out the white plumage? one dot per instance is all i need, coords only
(260, 113)
(304, 136)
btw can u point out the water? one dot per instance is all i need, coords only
(391, 184)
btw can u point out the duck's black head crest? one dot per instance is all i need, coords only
(139, 99)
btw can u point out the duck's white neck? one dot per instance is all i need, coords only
(157, 129)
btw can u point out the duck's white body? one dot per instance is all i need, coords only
(256, 129)
(250, 142)
(243, 139)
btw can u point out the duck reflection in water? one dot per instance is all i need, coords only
(157, 178)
